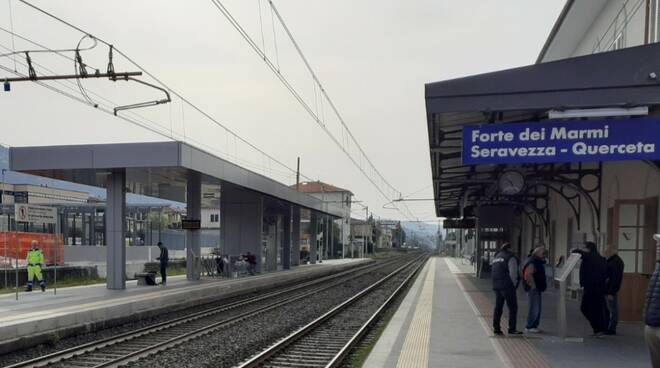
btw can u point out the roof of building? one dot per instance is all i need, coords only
(319, 187)
(572, 24)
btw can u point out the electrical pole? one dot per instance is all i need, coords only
(298, 175)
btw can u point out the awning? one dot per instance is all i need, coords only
(623, 78)
(158, 169)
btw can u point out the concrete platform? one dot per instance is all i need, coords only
(39, 317)
(445, 320)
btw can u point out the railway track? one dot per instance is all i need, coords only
(128, 347)
(328, 340)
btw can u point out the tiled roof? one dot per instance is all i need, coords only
(318, 187)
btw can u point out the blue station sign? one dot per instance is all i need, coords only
(562, 141)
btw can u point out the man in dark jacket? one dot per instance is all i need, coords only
(535, 283)
(593, 271)
(164, 259)
(652, 309)
(613, 283)
(505, 282)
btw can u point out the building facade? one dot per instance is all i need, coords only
(596, 69)
(341, 198)
(629, 190)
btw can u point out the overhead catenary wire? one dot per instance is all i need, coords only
(172, 91)
(11, 26)
(239, 28)
(135, 119)
(275, 69)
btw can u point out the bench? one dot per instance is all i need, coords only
(146, 278)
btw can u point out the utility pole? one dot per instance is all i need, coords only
(298, 175)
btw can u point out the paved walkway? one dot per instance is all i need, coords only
(38, 313)
(454, 330)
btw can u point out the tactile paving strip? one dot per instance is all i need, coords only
(415, 350)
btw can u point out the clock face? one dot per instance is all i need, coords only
(511, 183)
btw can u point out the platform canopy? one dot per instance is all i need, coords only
(157, 169)
(619, 79)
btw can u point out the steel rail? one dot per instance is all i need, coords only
(78, 351)
(263, 357)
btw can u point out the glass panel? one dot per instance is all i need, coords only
(627, 238)
(628, 215)
(642, 208)
(640, 261)
(628, 258)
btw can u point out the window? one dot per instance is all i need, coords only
(654, 21)
(630, 235)
(215, 218)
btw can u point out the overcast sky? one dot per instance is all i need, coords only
(373, 58)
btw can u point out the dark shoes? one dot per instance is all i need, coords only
(610, 332)
(499, 332)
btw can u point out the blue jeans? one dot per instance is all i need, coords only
(534, 308)
(613, 308)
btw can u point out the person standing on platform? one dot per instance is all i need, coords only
(593, 273)
(614, 278)
(164, 259)
(505, 282)
(35, 259)
(535, 283)
(251, 260)
(652, 309)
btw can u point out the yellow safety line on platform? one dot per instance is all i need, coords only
(415, 350)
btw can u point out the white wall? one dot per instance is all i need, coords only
(627, 17)
(620, 180)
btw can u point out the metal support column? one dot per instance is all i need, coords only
(332, 238)
(313, 228)
(286, 238)
(326, 239)
(115, 230)
(295, 236)
(193, 237)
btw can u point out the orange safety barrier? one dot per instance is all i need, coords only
(52, 245)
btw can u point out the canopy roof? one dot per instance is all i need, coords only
(157, 169)
(623, 78)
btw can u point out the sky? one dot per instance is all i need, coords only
(372, 57)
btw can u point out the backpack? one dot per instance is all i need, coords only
(526, 276)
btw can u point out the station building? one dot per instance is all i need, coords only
(595, 87)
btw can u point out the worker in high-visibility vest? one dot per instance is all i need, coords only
(35, 258)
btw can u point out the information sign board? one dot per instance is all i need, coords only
(37, 214)
(562, 141)
(568, 267)
(191, 224)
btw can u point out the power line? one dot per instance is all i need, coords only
(165, 86)
(227, 14)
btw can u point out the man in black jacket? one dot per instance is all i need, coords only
(652, 309)
(505, 282)
(593, 271)
(164, 259)
(614, 277)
